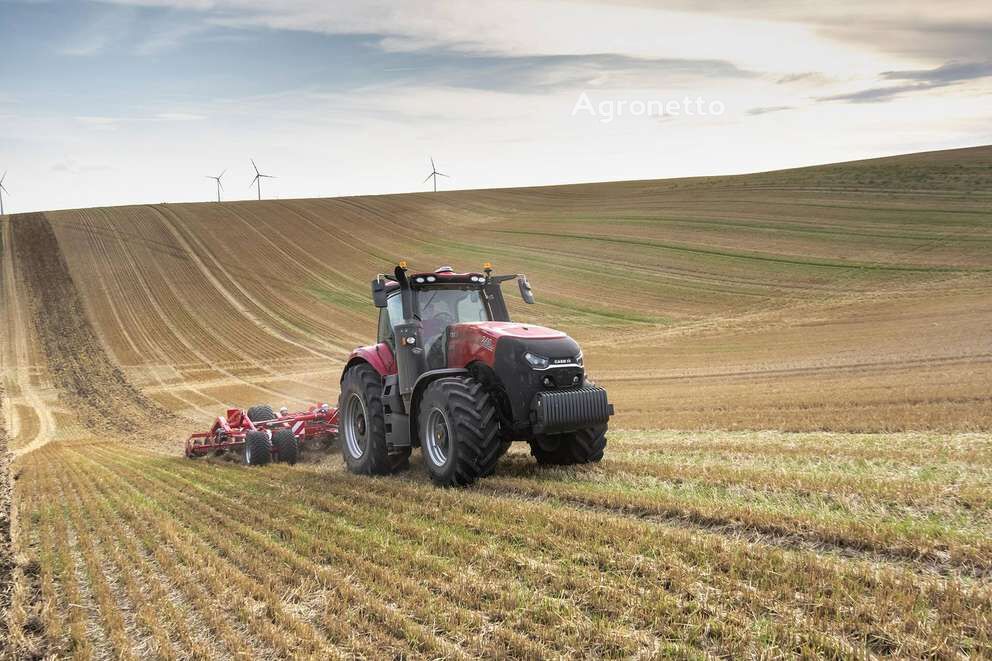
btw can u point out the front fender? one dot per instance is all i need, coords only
(421, 385)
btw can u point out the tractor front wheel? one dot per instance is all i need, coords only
(581, 447)
(458, 430)
(362, 427)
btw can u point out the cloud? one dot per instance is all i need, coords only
(72, 166)
(764, 110)
(923, 80)
(814, 77)
(105, 122)
(876, 94)
(946, 74)
(549, 73)
(168, 38)
(547, 28)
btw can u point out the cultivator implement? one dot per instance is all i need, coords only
(262, 435)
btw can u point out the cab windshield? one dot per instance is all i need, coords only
(439, 307)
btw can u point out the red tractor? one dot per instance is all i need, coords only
(452, 374)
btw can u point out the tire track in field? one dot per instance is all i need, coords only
(152, 302)
(407, 500)
(112, 298)
(295, 259)
(6, 529)
(17, 357)
(80, 368)
(187, 243)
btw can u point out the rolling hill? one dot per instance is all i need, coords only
(729, 312)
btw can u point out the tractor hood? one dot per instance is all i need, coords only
(498, 329)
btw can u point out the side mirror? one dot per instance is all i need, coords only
(379, 293)
(525, 291)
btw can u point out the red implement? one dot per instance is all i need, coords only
(319, 421)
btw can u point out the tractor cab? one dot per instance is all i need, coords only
(440, 300)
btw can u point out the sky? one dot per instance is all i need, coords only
(140, 101)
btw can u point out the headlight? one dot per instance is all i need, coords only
(535, 361)
(578, 359)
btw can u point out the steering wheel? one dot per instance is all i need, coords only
(444, 318)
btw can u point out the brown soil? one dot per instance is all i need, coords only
(6, 546)
(92, 385)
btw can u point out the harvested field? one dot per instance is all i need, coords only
(801, 462)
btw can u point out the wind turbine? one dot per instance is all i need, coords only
(258, 179)
(220, 186)
(434, 173)
(2, 191)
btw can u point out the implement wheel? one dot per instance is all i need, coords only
(258, 448)
(261, 413)
(285, 445)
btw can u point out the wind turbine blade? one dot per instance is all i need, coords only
(254, 166)
(253, 181)
(3, 177)
(433, 167)
(222, 174)
(441, 174)
(428, 177)
(4, 189)
(208, 177)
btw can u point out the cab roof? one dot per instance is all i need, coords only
(444, 275)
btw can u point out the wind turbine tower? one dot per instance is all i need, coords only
(220, 186)
(2, 191)
(257, 181)
(434, 173)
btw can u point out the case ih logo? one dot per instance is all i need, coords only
(487, 343)
(561, 361)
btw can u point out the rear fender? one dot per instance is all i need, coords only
(378, 356)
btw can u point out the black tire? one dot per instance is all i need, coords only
(581, 447)
(258, 448)
(489, 465)
(261, 413)
(362, 427)
(286, 446)
(458, 430)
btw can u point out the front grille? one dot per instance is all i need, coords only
(570, 410)
(561, 377)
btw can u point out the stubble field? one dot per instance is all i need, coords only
(842, 309)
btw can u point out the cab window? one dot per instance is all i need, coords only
(385, 328)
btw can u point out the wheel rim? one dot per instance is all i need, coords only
(356, 428)
(247, 454)
(437, 437)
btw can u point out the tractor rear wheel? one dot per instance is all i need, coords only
(458, 431)
(581, 447)
(286, 447)
(362, 427)
(258, 448)
(261, 413)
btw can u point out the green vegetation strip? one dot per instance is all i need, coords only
(746, 256)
